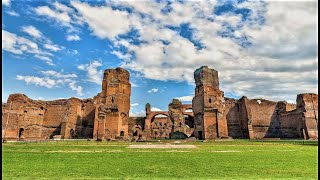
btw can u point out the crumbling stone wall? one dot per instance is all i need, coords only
(161, 127)
(113, 105)
(301, 122)
(232, 111)
(135, 125)
(35, 119)
(176, 116)
(209, 105)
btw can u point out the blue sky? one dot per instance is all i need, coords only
(59, 49)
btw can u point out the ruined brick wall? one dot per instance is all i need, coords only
(34, 119)
(308, 103)
(292, 124)
(265, 121)
(113, 105)
(135, 125)
(209, 105)
(161, 127)
(176, 116)
(232, 112)
(78, 118)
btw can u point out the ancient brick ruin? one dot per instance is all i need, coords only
(210, 116)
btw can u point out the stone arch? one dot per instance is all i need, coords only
(156, 114)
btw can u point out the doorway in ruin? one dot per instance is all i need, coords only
(21, 133)
(121, 133)
(189, 123)
(200, 135)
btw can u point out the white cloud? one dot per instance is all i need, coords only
(93, 74)
(137, 114)
(13, 13)
(52, 47)
(61, 17)
(61, 7)
(20, 45)
(45, 82)
(58, 74)
(122, 56)
(32, 31)
(185, 98)
(104, 22)
(44, 58)
(73, 38)
(153, 90)
(280, 62)
(134, 104)
(76, 88)
(155, 109)
(53, 79)
(6, 2)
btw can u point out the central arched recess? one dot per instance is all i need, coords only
(160, 126)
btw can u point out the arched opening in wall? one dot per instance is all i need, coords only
(209, 100)
(189, 123)
(160, 126)
(21, 133)
(160, 118)
(121, 133)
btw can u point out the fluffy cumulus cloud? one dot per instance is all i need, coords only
(52, 79)
(185, 98)
(40, 46)
(92, 72)
(19, 45)
(63, 16)
(261, 49)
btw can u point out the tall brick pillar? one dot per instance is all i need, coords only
(113, 105)
(208, 105)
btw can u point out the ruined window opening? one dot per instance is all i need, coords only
(180, 124)
(25, 111)
(209, 100)
(112, 99)
(121, 133)
(21, 130)
(238, 106)
(41, 108)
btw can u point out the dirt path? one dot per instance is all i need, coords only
(148, 146)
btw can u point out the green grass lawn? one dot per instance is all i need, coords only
(239, 159)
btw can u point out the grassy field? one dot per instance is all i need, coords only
(240, 159)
